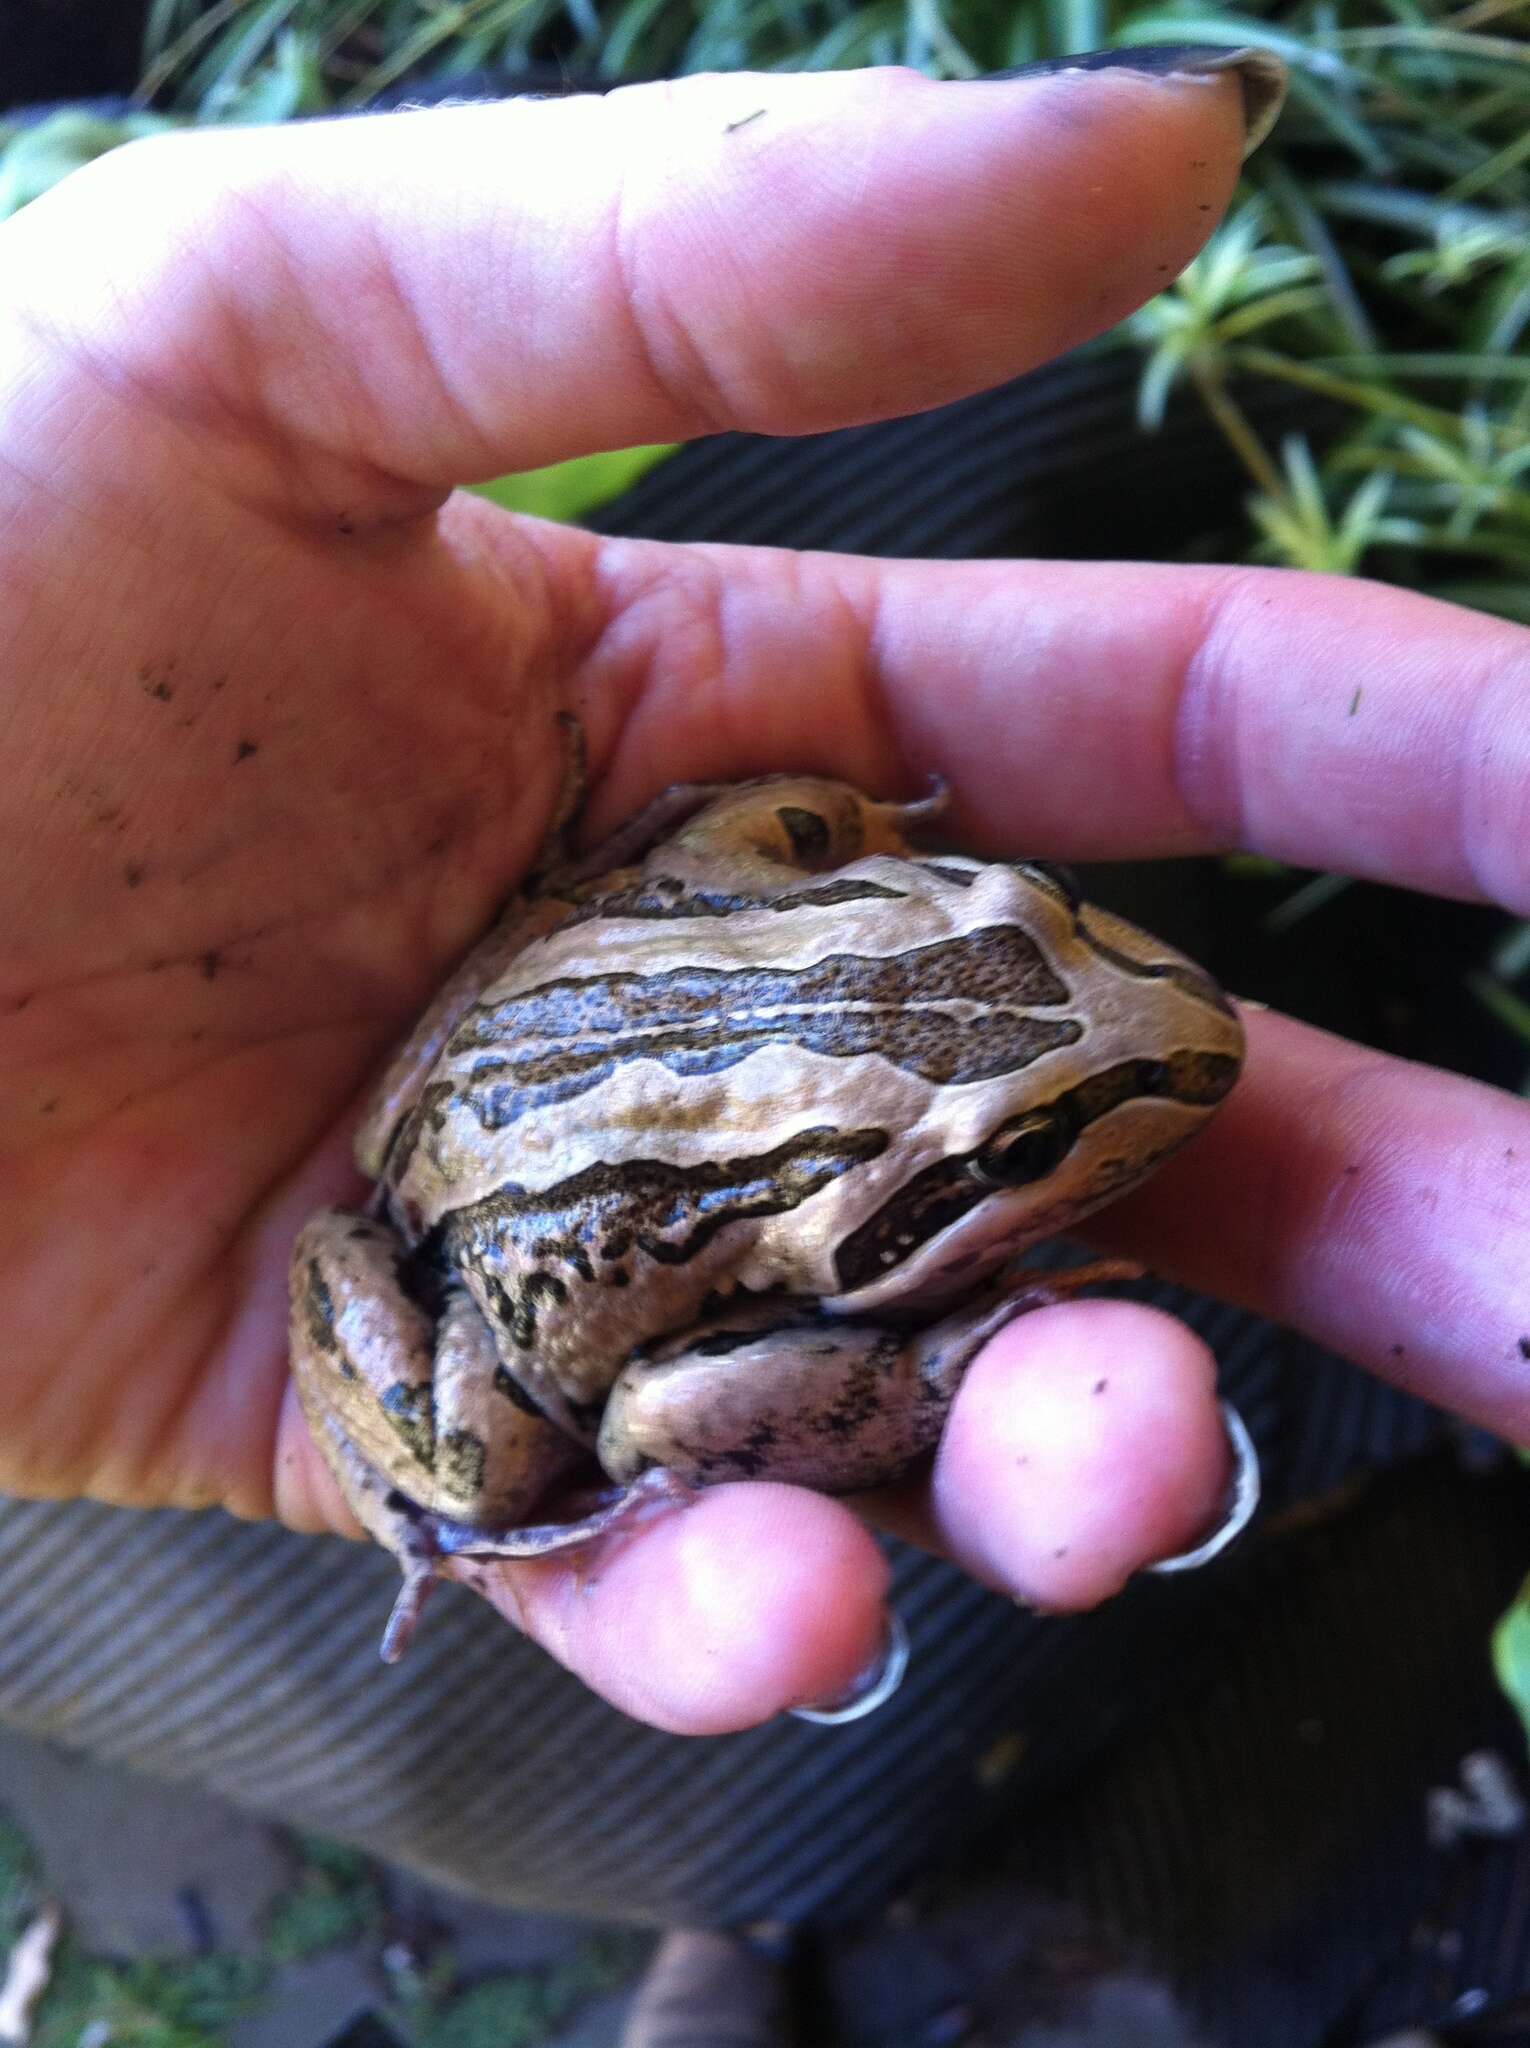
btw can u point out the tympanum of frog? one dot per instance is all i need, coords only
(713, 1162)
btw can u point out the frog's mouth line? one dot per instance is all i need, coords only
(1021, 1153)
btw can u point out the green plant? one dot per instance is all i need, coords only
(521, 2008)
(176, 2001)
(152, 2003)
(335, 1896)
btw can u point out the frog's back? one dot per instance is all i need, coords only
(687, 1029)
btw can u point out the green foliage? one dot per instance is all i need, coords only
(175, 2002)
(149, 2004)
(1511, 1011)
(1511, 1654)
(520, 2008)
(35, 155)
(184, 2002)
(1301, 529)
(336, 1896)
(1410, 317)
(1239, 283)
(20, 1888)
(567, 490)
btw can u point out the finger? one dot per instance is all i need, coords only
(1086, 1442)
(447, 295)
(1094, 711)
(713, 1618)
(1382, 1207)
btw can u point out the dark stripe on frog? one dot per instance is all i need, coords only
(459, 1462)
(518, 1314)
(862, 1396)
(941, 1049)
(1193, 981)
(951, 1012)
(667, 1213)
(319, 1309)
(1019, 1153)
(411, 1412)
(997, 966)
(1051, 875)
(663, 898)
(457, 1457)
(507, 1384)
(961, 878)
(319, 1315)
(719, 1343)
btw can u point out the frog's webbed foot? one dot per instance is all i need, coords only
(420, 1542)
(615, 1510)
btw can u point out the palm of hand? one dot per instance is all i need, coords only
(302, 800)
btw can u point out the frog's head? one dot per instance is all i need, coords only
(766, 835)
(1066, 1055)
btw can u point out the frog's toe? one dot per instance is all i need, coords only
(419, 1577)
(617, 1511)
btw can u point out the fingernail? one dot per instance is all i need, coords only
(870, 1688)
(1238, 1503)
(1260, 72)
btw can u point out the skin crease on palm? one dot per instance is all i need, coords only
(278, 735)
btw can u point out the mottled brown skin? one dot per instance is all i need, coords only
(709, 1163)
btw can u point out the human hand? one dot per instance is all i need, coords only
(277, 732)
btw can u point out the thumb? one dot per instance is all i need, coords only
(416, 300)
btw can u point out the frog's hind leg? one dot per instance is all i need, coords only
(406, 1397)
(390, 1521)
(832, 1404)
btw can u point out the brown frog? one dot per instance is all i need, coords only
(713, 1161)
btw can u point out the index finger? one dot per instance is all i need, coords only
(1098, 711)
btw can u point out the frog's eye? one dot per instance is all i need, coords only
(1027, 1150)
(807, 832)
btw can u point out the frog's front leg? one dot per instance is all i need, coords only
(406, 1397)
(831, 1404)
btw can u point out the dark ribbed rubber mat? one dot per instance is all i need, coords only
(1048, 465)
(1268, 1844)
